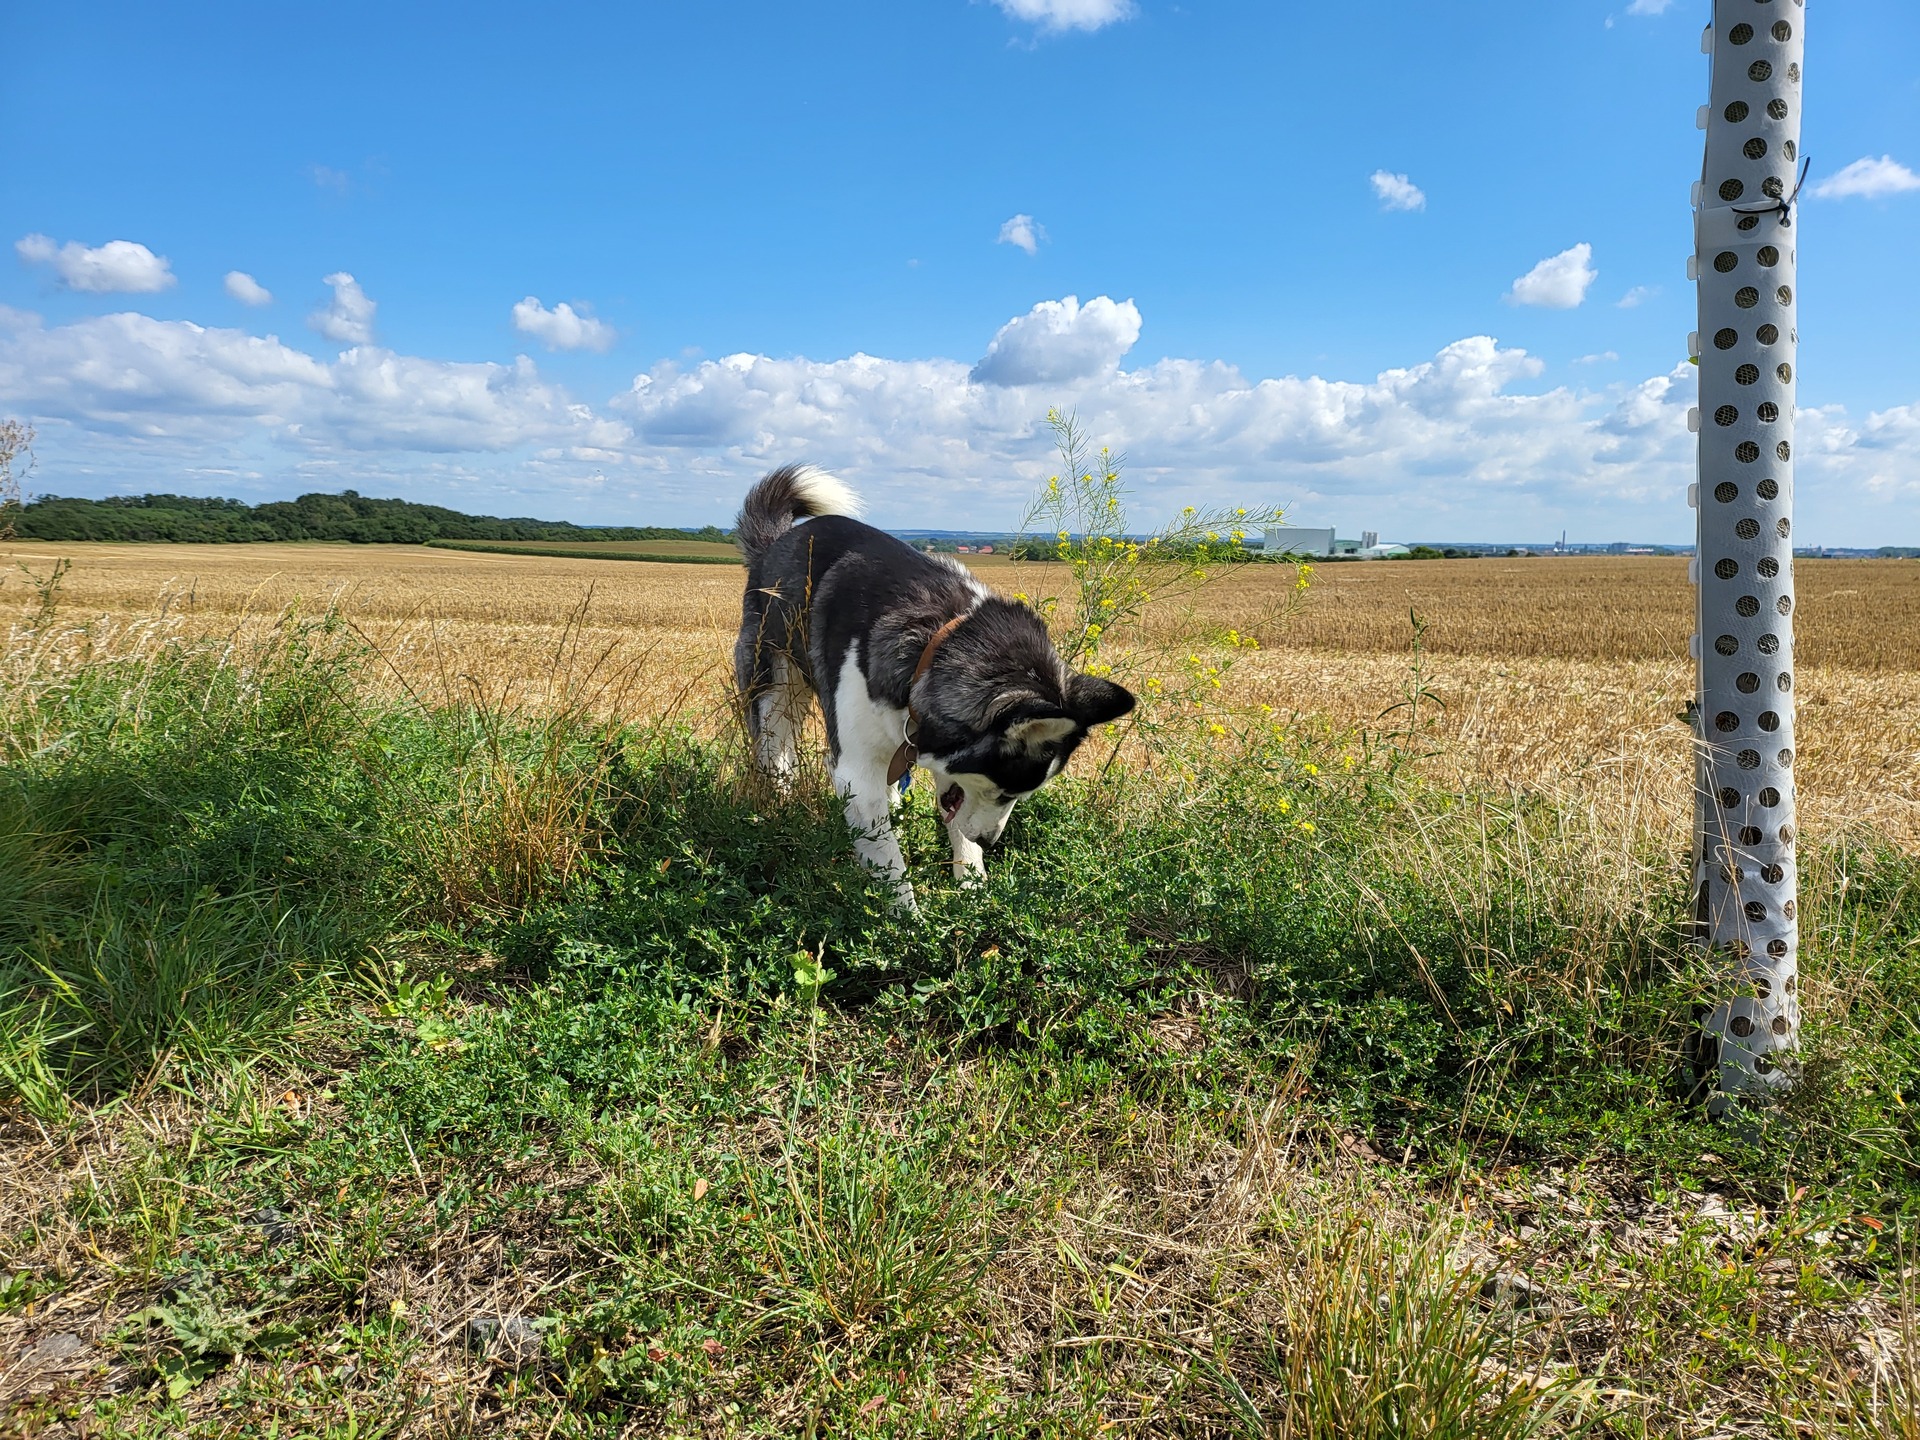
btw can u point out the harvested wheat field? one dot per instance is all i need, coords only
(1554, 675)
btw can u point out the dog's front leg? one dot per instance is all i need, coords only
(870, 817)
(969, 858)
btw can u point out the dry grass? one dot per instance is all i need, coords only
(1562, 676)
(444, 621)
(1853, 614)
(622, 549)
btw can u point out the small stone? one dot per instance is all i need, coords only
(1511, 1289)
(510, 1340)
(58, 1350)
(275, 1225)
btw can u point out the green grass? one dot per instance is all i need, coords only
(328, 1028)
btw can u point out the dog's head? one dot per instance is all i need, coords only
(1000, 715)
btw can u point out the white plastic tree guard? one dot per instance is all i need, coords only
(1744, 228)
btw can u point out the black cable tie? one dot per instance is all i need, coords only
(1782, 207)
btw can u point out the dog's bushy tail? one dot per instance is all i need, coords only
(793, 492)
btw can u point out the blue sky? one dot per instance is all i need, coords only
(1270, 249)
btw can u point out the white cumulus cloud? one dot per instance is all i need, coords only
(1396, 192)
(1460, 444)
(1869, 179)
(1649, 7)
(1024, 232)
(380, 400)
(1468, 442)
(128, 374)
(117, 267)
(247, 290)
(1197, 431)
(132, 375)
(1637, 296)
(1557, 283)
(348, 317)
(562, 327)
(1068, 14)
(1060, 340)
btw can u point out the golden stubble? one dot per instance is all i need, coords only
(1557, 676)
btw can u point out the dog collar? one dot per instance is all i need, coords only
(901, 766)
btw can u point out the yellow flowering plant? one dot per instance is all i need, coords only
(1078, 525)
(1079, 518)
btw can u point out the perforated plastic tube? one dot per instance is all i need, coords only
(1744, 228)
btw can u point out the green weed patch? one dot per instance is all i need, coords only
(371, 1069)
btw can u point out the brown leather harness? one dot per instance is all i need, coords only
(909, 751)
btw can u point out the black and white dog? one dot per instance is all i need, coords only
(912, 660)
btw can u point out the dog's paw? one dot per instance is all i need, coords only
(903, 898)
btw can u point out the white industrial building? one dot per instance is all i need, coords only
(1297, 540)
(1305, 540)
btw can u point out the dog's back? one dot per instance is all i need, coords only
(815, 590)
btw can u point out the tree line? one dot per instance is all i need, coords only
(348, 516)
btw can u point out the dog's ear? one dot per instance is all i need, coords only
(1031, 735)
(1093, 701)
